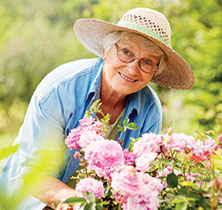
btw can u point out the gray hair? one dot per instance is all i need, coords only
(110, 39)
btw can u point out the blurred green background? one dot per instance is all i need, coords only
(37, 36)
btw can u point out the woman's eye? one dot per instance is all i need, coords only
(147, 62)
(126, 52)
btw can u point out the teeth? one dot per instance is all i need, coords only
(126, 78)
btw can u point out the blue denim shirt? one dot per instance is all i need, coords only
(56, 107)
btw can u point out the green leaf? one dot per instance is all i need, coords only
(183, 191)
(75, 200)
(164, 161)
(87, 114)
(89, 206)
(125, 122)
(99, 207)
(132, 126)
(172, 180)
(90, 196)
(217, 157)
(188, 184)
(181, 206)
(6, 151)
(121, 129)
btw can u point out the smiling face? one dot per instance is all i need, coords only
(127, 78)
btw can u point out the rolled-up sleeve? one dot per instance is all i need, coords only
(42, 135)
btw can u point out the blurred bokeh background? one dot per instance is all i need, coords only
(37, 36)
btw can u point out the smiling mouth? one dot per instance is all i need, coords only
(126, 78)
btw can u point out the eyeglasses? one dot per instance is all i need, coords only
(126, 56)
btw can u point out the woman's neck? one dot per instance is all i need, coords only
(112, 103)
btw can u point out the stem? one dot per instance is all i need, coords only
(83, 162)
(162, 153)
(213, 200)
(171, 153)
(119, 206)
(120, 203)
(219, 193)
(107, 177)
(183, 167)
(120, 141)
(174, 153)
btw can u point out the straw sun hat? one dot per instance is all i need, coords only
(151, 25)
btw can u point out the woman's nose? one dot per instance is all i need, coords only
(133, 67)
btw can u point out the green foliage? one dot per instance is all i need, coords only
(75, 200)
(36, 37)
(172, 180)
(203, 52)
(90, 203)
(127, 125)
(6, 151)
(46, 160)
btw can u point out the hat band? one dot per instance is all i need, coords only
(141, 29)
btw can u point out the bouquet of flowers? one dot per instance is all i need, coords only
(157, 171)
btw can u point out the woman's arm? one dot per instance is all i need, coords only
(51, 191)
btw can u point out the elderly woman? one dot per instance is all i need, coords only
(131, 54)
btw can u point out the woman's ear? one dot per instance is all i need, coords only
(104, 54)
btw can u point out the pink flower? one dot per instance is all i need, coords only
(147, 195)
(179, 142)
(192, 177)
(147, 149)
(167, 171)
(164, 184)
(143, 161)
(126, 181)
(149, 142)
(88, 127)
(99, 126)
(150, 183)
(86, 121)
(72, 140)
(129, 157)
(104, 154)
(101, 172)
(76, 155)
(87, 137)
(91, 124)
(142, 202)
(207, 146)
(90, 185)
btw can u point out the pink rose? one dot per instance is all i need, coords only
(72, 140)
(104, 154)
(129, 157)
(126, 181)
(87, 137)
(149, 142)
(179, 141)
(88, 128)
(141, 190)
(90, 185)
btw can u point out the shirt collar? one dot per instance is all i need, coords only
(96, 77)
(95, 84)
(133, 104)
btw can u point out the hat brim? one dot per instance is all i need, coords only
(179, 74)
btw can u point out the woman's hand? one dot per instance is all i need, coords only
(52, 191)
(64, 206)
